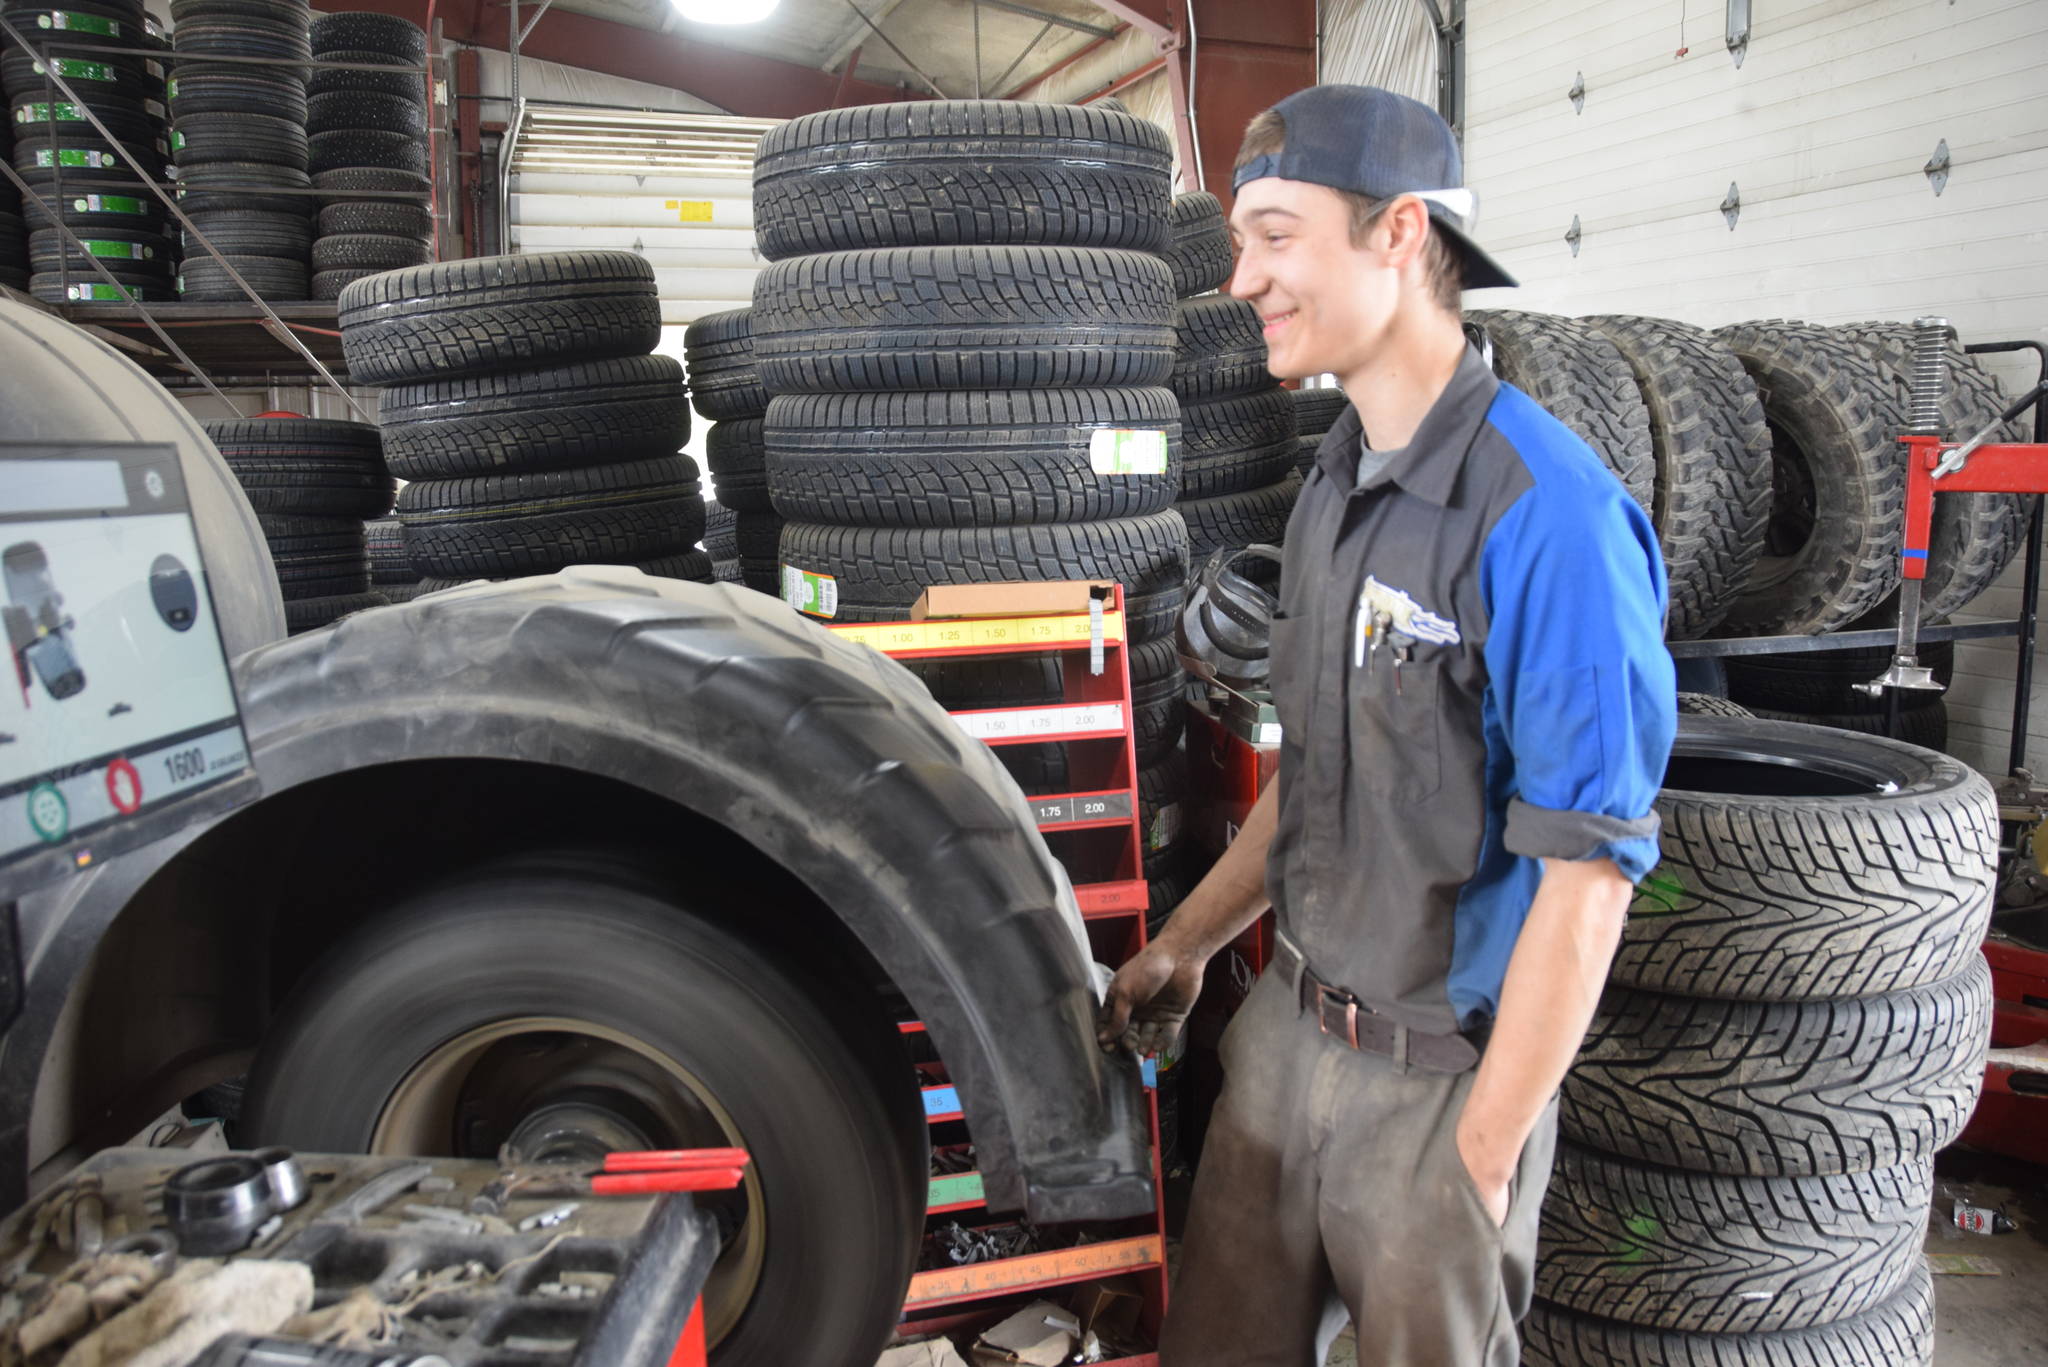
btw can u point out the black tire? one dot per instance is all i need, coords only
(737, 453)
(377, 216)
(959, 458)
(1162, 797)
(284, 13)
(1897, 1332)
(291, 437)
(310, 614)
(236, 36)
(693, 565)
(1707, 705)
(576, 940)
(1825, 680)
(93, 76)
(367, 148)
(1219, 349)
(82, 210)
(84, 25)
(762, 576)
(1923, 722)
(313, 486)
(269, 276)
(1801, 864)
(758, 536)
(1831, 551)
(1239, 443)
(1712, 497)
(335, 110)
(248, 92)
(963, 318)
(369, 252)
(540, 523)
(384, 540)
(879, 572)
(497, 312)
(1582, 381)
(1198, 251)
(520, 421)
(1689, 1251)
(1782, 1089)
(1316, 410)
(124, 249)
(127, 120)
(407, 84)
(210, 139)
(953, 172)
(1255, 516)
(330, 284)
(1974, 536)
(361, 32)
(721, 534)
(94, 289)
(317, 556)
(237, 187)
(353, 182)
(89, 159)
(718, 351)
(289, 237)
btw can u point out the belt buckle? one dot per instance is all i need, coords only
(1326, 994)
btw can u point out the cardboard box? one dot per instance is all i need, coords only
(930, 1353)
(1040, 1335)
(1007, 600)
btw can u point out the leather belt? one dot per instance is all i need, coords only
(1342, 1016)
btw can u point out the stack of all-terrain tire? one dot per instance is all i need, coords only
(368, 138)
(78, 177)
(1795, 1023)
(1837, 398)
(521, 403)
(239, 138)
(741, 538)
(1578, 375)
(313, 484)
(1238, 433)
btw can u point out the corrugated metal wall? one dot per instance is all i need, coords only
(1825, 128)
(1387, 43)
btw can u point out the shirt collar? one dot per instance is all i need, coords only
(1429, 467)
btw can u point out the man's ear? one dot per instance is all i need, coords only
(1407, 228)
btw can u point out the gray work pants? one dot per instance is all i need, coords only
(1330, 1182)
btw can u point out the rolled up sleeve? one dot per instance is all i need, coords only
(1581, 684)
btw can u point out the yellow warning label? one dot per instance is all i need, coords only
(689, 210)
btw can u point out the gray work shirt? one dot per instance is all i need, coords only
(1530, 716)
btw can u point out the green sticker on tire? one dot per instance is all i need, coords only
(119, 251)
(109, 204)
(62, 111)
(78, 69)
(71, 22)
(98, 293)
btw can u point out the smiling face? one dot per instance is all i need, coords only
(1327, 304)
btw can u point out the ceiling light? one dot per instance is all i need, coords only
(725, 11)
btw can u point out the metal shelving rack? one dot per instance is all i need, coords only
(257, 340)
(1095, 831)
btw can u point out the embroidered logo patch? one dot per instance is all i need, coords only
(1405, 614)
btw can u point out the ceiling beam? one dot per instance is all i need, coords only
(857, 33)
(760, 87)
(1063, 63)
(1031, 12)
(1160, 18)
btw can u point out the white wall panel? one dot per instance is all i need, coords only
(1825, 127)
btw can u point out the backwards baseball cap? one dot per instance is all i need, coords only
(1378, 144)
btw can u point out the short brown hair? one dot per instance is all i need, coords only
(1266, 136)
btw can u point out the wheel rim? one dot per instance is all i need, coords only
(570, 1090)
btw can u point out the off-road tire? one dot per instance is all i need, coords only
(1579, 377)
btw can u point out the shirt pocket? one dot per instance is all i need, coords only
(1395, 728)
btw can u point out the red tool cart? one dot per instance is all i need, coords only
(1094, 830)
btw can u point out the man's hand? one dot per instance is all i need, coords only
(1490, 1176)
(1149, 1000)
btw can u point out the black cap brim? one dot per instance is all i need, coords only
(1482, 272)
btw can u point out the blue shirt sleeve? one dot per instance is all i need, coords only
(1583, 687)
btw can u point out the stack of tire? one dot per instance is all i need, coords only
(1238, 432)
(966, 331)
(313, 484)
(239, 138)
(13, 231)
(391, 568)
(521, 403)
(78, 178)
(1836, 400)
(1315, 412)
(1795, 1023)
(718, 350)
(368, 137)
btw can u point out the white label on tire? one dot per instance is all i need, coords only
(817, 594)
(1165, 828)
(1127, 451)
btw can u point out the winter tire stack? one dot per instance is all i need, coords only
(1315, 412)
(521, 403)
(239, 138)
(13, 232)
(1796, 1021)
(391, 569)
(968, 334)
(718, 350)
(368, 141)
(75, 173)
(313, 484)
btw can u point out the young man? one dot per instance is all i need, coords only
(1478, 706)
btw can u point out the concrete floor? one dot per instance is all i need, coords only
(1980, 1321)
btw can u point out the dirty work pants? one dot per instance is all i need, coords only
(1330, 1182)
